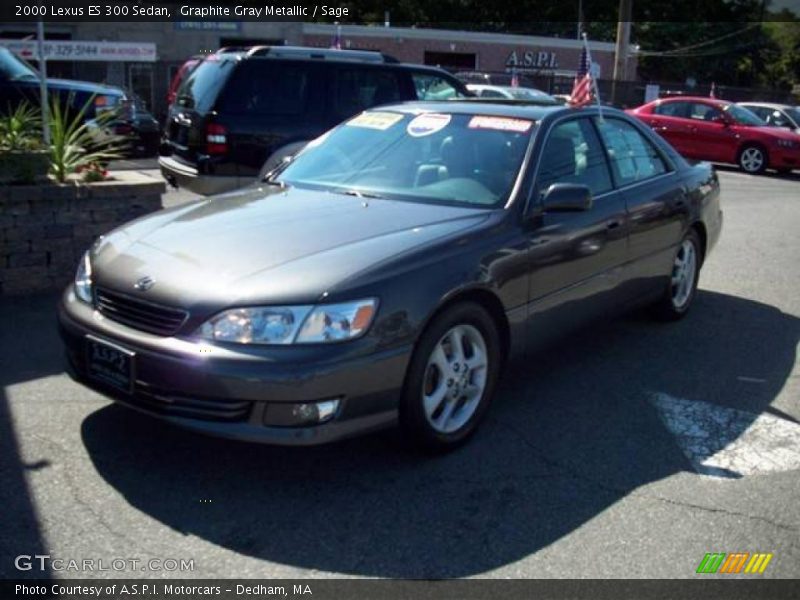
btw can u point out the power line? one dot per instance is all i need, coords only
(681, 51)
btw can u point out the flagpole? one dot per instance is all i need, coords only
(594, 81)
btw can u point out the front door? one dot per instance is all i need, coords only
(575, 258)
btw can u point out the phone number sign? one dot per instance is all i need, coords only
(86, 51)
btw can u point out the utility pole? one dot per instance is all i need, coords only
(623, 42)
(43, 83)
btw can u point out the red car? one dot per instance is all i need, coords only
(180, 75)
(720, 131)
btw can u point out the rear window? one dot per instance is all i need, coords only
(265, 87)
(202, 86)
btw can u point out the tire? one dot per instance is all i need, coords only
(753, 159)
(682, 287)
(457, 397)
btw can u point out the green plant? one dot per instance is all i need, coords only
(20, 129)
(77, 141)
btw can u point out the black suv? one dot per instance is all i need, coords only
(240, 112)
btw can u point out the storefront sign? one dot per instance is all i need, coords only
(84, 51)
(528, 59)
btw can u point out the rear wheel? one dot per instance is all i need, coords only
(680, 292)
(451, 378)
(753, 159)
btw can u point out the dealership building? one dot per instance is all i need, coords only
(144, 56)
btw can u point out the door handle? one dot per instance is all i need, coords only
(615, 224)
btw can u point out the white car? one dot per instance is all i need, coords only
(511, 93)
(777, 115)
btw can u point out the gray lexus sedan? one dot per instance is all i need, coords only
(386, 273)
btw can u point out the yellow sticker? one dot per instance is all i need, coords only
(375, 120)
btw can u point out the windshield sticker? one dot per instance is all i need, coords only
(375, 120)
(500, 124)
(427, 124)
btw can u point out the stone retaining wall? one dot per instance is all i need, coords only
(45, 229)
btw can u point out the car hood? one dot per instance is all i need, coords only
(267, 245)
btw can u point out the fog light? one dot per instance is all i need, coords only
(317, 412)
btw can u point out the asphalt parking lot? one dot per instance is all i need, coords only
(629, 450)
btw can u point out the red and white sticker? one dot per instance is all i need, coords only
(500, 124)
(427, 124)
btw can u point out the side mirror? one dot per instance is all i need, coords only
(567, 197)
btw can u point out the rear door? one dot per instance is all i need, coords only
(670, 120)
(656, 201)
(268, 104)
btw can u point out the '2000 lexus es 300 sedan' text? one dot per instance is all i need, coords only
(385, 273)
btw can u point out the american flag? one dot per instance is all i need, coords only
(582, 88)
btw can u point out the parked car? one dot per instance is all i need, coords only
(511, 93)
(20, 83)
(180, 75)
(387, 272)
(239, 113)
(721, 131)
(135, 124)
(777, 115)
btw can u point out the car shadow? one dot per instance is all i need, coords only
(572, 432)
(29, 352)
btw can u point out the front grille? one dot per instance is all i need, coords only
(208, 409)
(153, 318)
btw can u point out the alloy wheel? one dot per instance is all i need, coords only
(455, 378)
(752, 159)
(684, 271)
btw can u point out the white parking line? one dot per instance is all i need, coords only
(726, 442)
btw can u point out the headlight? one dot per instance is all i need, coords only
(290, 324)
(83, 279)
(787, 143)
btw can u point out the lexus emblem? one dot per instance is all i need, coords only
(144, 284)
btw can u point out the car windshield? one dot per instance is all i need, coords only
(743, 116)
(470, 160)
(13, 69)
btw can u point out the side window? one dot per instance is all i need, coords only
(573, 154)
(778, 119)
(358, 89)
(759, 111)
(703, 112)
(672, 109)
(633, 157)
(261, 87)
(491, 94)
(433, 87)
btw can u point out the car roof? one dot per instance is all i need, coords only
(706, 99)
(494, 108)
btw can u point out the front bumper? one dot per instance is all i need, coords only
(241, 393)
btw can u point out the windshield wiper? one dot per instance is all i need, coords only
(360, 194)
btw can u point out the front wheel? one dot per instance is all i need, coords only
(753, 159)
(680, 292)
(452, 377)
